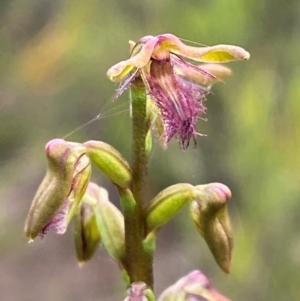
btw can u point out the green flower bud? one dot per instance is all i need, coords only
(110, 221)
(110, 162)
(139, 291)
(193, 287)
(210, 215)
(86, 233)
(167, 204)
(59, 194)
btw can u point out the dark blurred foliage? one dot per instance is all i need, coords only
(53, 61)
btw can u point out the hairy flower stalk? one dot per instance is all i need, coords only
(138, 263)
(177, 87)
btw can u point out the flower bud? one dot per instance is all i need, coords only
(110, 162)
(59, 194)
(86, 233)
(110, 221)
(193, 287)
(210, 215)
(166, 204)
(138, 291)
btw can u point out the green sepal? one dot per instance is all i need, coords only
(149, 294)
(128, 202)
(80, 181)
(125, 277)
(167, 204)
(148, 143)
(110, 162)
(149, 243)
(110, 222)
(86, 233)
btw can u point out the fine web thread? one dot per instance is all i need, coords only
(195, 43)
(116, 110)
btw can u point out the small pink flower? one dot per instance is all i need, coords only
(177, 87)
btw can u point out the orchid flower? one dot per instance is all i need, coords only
(176, 86)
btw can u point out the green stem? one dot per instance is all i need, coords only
(139, 133)
(138, 262)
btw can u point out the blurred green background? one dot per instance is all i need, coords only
(53, 61)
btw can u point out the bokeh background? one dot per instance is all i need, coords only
(53, 60)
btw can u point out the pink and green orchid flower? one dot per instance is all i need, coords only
(176, 86)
